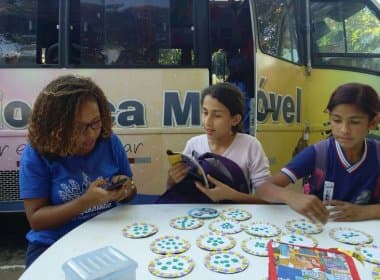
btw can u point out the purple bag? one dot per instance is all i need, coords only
(224, 170)
(219, 167)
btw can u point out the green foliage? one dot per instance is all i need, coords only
(362, 34)
(169, 57)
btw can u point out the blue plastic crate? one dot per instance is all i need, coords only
(105, 263)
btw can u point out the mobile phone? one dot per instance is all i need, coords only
(113, 186)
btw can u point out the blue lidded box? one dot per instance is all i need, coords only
(106, 263)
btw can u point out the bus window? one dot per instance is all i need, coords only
(277, 29)
(343, 35)
(27, 29)
(132, 33)
(181, 51)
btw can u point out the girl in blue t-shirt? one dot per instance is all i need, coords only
(71, 156)
(351, 179)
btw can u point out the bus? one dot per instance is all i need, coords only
(153, 57)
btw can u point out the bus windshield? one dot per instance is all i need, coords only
(343, 35)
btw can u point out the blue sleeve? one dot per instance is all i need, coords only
(121, 156)
(34, 175)
(302, 165)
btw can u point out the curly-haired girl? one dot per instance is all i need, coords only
(71, 155)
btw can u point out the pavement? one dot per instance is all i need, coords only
(12, 245)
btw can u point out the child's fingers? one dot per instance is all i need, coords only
(202, 188)
(98, 183)
(213, 180)
(209, 192)
(334, 202)
(320, 214)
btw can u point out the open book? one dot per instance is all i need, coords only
(196, 170)
(295, 262)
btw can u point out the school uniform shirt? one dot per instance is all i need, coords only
(356, 183)
(63, 179)
(245, 150)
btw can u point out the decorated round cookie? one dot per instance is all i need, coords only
(215, 242)
(350, 236)
(139, 230)
(186, 222)
(256, 246)
(262, 229)
(171, 266)
(204, 213)
(370, 252)
(304, 226)
(226, 262)
(300, 239)
(225, 226)
(169, 244)
(236, 214)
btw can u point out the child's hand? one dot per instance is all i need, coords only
(308, 205)
(178, 171)
(126, 192)
(219, 192)
(96, 195)
(346, 211)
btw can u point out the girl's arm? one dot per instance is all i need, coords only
(346, 211)
(42, 215)
(309, 206)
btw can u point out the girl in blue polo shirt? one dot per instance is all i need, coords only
(350, 179)
(70, 156)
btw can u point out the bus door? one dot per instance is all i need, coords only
(231, 49)
(305, 49)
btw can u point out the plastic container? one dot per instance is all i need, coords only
(106, 263)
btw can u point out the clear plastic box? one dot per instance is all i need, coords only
(106, 263)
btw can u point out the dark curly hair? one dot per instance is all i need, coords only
(52, 129)
(231, 97)
(361, 95)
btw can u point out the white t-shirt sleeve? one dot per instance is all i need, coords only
(199, 144)
(248, 153)
(188, 149)
(258, 165)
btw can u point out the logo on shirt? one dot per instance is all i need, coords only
(73, 189)
(363, 197)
